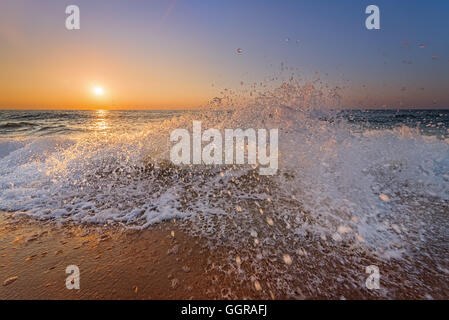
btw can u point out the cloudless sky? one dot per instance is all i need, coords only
(180, 53)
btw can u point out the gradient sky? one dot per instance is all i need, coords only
(160, 54)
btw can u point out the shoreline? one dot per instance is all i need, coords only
(118, 263)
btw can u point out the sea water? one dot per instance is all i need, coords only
(374, 180)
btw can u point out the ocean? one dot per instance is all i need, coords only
(37, 123)
(42, 148)
(370, 182)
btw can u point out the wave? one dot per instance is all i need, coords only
(337, 183)
(16, 125)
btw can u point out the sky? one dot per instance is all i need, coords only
(179, 54)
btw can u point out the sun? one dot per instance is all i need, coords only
(98, 91)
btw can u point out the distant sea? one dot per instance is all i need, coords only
(37, 123)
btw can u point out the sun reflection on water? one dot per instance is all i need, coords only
(101, 123)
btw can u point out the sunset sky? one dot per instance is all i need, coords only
(160, 54)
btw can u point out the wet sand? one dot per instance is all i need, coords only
(113, 263)
(153, 264)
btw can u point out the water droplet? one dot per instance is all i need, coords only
(287, 259)
(396, 228)
(359, 237)
(336, 237)
(343, 229)
(238, 260)
(239, 50)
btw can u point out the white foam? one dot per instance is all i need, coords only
(336, 173)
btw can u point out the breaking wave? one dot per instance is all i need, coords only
(339, 183)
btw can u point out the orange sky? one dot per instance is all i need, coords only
(170, 54)
(43, 65)
(65, 78)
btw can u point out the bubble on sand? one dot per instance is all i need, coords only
(336, 237)
(396, 228)
(186, 269)
(10, 280)
(257, 285)
(174, 283)
(238, 260)
(359, 238)
(287, 259)
(343, 229)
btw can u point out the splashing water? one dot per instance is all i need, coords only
(343, 186)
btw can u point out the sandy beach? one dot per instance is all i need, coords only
(153, 264)
(113, 265)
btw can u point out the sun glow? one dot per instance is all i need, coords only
(98, 91)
